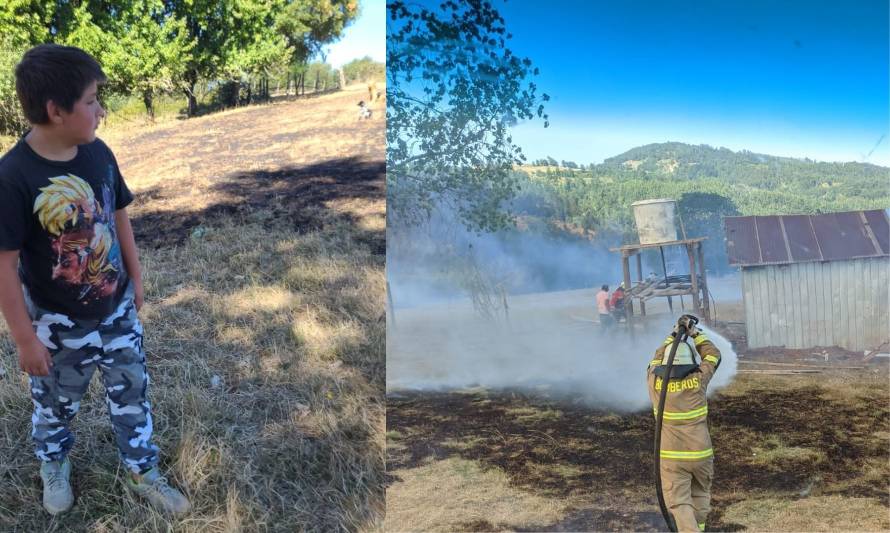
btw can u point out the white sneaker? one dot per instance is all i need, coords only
(57, 494)
(154, 487)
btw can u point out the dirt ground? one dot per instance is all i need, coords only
(791, 450)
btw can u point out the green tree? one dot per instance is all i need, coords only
(364, 69)
(11, 119)
(258, 52)
(321, 75)
(453, 90)
(307, 25)
(28, 22)
(152, 46)
(142, 49)
(702, 214)
(211, 29)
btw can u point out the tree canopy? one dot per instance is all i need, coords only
(152, 46)
(363, 69)
(453, 91)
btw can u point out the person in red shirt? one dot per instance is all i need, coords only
(616, 303)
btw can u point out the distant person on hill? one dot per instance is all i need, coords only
(70, 278)
(602, 306)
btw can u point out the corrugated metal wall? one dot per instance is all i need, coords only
(834, 303)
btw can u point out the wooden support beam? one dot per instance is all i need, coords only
(704, 282)
(800, 365)
(696, 303)
(392, 309)
(628, 308)
(639, 278)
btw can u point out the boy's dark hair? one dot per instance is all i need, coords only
(54, 72)
(604, 287)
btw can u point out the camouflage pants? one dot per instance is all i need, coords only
(78, 347)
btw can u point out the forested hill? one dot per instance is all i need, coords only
(756, 184)
(708, 183)
(685, 161)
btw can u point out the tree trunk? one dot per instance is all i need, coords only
(192, 79)
(148, 100)
(342, 79)
(302, 83)
(193, 102)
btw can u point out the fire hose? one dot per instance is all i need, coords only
(683, 324)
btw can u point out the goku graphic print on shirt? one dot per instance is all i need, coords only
(87, 255)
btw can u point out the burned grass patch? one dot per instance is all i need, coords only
(771, 437)
(303, 197)
(303, 164)
(498, 430)
(827, 442)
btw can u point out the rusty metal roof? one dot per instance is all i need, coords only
(780, 239)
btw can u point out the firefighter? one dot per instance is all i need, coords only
(687, 459)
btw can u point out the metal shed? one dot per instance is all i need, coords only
(814, 280)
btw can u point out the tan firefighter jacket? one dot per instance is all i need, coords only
(684, 433)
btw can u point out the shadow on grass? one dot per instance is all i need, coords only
(589, 519)
(294, 194)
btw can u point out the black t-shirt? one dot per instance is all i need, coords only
(60, 214)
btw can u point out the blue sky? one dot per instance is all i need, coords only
(791, 78)
(365, 37)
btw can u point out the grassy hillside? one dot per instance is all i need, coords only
(709, 183)
(262, 239)
(756, 184)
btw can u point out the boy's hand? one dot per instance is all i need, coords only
(34, 358)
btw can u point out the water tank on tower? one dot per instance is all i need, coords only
(656, 220)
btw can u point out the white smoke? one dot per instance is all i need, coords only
(552, 345)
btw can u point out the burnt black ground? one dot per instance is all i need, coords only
(613, 452)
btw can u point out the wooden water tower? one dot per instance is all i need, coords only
(657, 228)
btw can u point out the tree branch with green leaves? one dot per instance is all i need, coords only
(453, 91)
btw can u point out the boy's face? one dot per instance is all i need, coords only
(81, 123)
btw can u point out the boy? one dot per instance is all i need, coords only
(70, 279)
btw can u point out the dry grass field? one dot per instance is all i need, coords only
(262, 234)
(803, 452)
